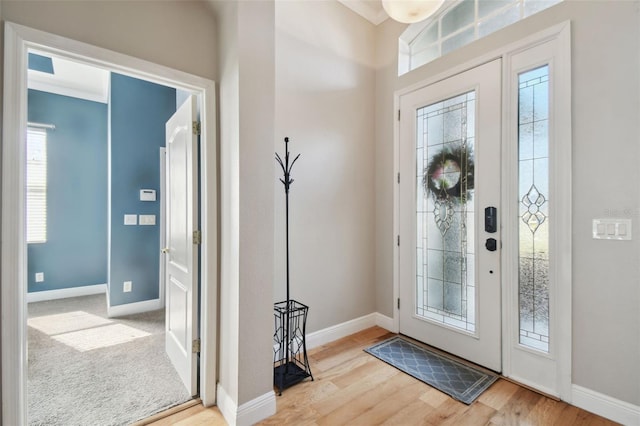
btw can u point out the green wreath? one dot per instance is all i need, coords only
(449, 174)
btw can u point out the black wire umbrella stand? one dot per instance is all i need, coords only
(290, 361)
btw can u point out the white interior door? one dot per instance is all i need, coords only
(449, 258)
(181, 252)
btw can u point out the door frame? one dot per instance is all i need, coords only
(18, 39)
(561, 34)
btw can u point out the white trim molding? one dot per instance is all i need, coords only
(65, 293)
(250, 412)
(18, 40)
(606, 406)
(386, 322)
(134, 308)
(338, 331)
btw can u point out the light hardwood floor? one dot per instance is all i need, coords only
(352, 387)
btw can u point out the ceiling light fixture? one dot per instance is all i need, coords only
(410, 11)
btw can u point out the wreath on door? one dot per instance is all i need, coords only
(449, 175)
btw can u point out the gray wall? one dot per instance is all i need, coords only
(605, 74)
(247, 103)
(178, 34)
(325, 81)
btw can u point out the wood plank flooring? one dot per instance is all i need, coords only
(352, 387)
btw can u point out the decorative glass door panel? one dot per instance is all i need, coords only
(450, 152)
(445, 273)
(533, 162)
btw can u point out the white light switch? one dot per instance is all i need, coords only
(147, 195)
(130, 219)
(611, 229)
(147, 219)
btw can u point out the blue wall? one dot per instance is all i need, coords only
(75, 253)
(139, 111)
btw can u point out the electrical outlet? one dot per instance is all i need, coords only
(39, 277)
(127, 286)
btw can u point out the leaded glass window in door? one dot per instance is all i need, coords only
(445, 273)
(533, 165)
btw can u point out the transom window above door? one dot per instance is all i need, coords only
(458, 24)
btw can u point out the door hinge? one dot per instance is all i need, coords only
(398, 303)
(195, 346)
(398, 177)
(195, 126)
(398, 115)
(197, 237)
(398, 241)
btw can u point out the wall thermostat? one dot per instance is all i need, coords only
(147, 195)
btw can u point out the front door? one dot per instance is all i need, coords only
(449, 195)
(181, 251)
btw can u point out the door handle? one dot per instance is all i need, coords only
(165, 250)
(491, 244)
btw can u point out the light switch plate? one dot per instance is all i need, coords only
(130, 219)
(611, 229)
(147, 219)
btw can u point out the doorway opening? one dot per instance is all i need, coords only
(100, 134)
(19, 40)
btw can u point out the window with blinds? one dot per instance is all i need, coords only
(36, 185)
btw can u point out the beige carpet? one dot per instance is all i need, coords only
(86, 369)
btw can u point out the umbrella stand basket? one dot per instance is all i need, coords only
(290, 361)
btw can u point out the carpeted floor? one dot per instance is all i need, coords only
(73, 384)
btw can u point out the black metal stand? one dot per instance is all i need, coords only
(290, 361)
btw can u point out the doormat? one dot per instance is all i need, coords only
(457, 380)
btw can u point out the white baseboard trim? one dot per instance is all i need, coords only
(248, 413)
(338, 331)
(64, 293)
(606, 406)
(134, 308)
(385, 322)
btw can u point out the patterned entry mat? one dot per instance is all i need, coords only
(457, 380)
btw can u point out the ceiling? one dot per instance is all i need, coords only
(371, 10)
(71, 78)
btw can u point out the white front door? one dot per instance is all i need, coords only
(181, 252)
(449, 195)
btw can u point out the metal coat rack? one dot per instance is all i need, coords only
(291, 364)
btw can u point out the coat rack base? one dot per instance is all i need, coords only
(290, 361)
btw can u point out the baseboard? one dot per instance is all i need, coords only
(338, 331)
(134, 308)
(606, 406)
(248, 413)
(65, 293)
(385, 322)
(226, 405)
